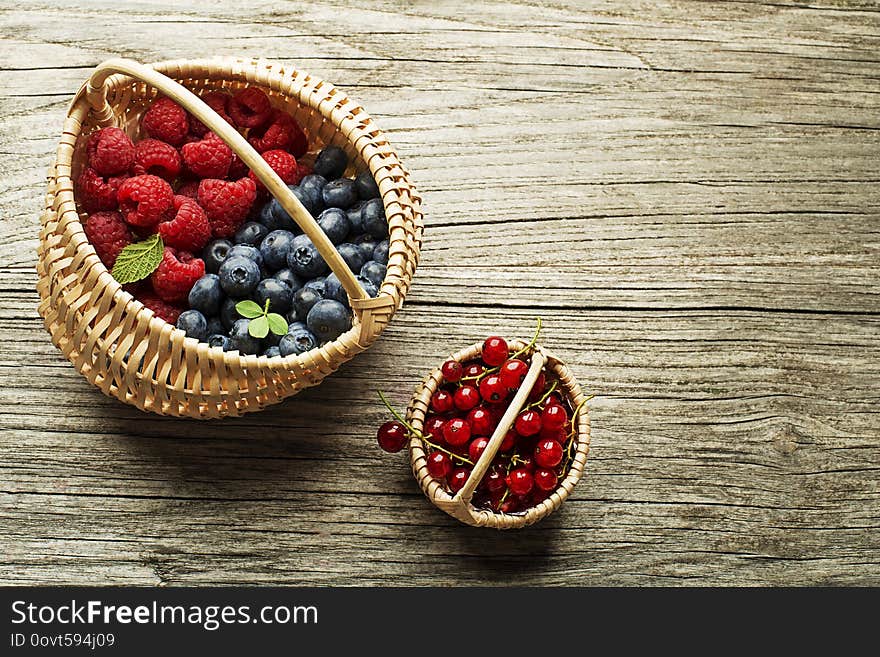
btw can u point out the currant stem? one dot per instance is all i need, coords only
(544, 398)
(531, 344)
(400, 418)
(452, 455)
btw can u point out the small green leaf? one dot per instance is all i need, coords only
(249, 309)
(139, 260)
(277, 324)
(259, 327)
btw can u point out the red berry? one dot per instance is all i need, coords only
(456, 432)
(510, 505)
(476, 448)
(495, 480)
(216, 100)
(189, 189)
(548, 453)
(528, 423)
(481, 421)
(249, 108)
(282, 163)
(441, 401)
(226, 203)
(209, 157)
(392, 436)
(110, 151)
(545, 479)
(452, 371)
(188, 229)
(457, 479)
(538, 389)
(238, 169)
(156, 158)
(520, 481)
(554, 416)
(526, 462)
(512, 373)
(466, 397)
(492, 390)
(167, 121)
(95, 192)
(109, 234)
(509, 441)
(495, 351)
(144, 200)
(176, 274)
(558, 435)
(439, 465)
(473, 370)
(281, 132)
(434, 427)
(162, 309)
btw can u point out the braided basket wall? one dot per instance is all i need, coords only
(116, 342)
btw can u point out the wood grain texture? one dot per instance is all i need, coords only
(686, 192)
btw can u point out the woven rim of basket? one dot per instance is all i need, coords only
(327, 116)
(435, 491)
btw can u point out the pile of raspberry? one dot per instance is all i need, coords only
(182, 182)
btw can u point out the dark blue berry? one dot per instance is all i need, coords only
(267, 216)
(380, 253)
(355, 218)
(328, 319)
(214, 254)
(290, 279)
(219, 340)
(247, 251)
(367, 244)
(251, 233)
(215, 325)
(352, 256)
(333, 289)
(228, 314)
(374, 272)
(366, 186)
(206, 295)
(331, 162)
(303, 300)
(317, 284)
(304, 259)
(373, 215)
(340, 193)
(193, 323)
(279, 295)
(275, 247)
(299, 341)
(239, 276)
(311, 188)
(284, 221)
(272, 352)
(242, 341)
(370, 288)
(335, 224)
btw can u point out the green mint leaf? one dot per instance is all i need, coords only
(249, 309)
(259, 327)
(277, 324)
(139, 260)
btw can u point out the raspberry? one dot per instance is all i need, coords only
(189, 228)
(144, 200)
(282, 132)
(226, 203)
(109, 234)
(162, 309)
(304, 170)
(96, 193)
(156, 158)
(110, 151)
(176, 274)
(238, 169)
(208, 158)
(249, 108)
(166, 120)
(282, 163)
(189, 189)
(217, 101)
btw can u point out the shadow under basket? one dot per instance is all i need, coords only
(114, 340)
(459, 505)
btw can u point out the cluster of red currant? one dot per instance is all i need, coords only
(465, 411)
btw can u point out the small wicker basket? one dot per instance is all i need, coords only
(459, 505)
(116, 342)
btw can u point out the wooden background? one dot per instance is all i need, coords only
(686, 192)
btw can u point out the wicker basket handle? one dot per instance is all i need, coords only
(96, 95)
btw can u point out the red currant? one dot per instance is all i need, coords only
(539, 496)
(473, 370)
(456, 432)
(528, 423)
(539, 388)
(510, 505)
(520, 481)
(441, 401)
(526, 462)
(512, 373)
(494, 481)
(439, 465)
(476, 448)
(554, 416)
(548, 453)
(545, 479)
(434, 426)
(558, 435)
(481, 421)
(466, 397)
(492, 390)
(452, 370)
(509, 440)
(457, 479)
(392, 436)
(495, 351)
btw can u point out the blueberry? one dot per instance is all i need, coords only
(367, 244)
(206, 295)
(219, 340)
(228, 314)
(352, 256)
(366, 186)
(370, 288)
(303, 300)
(242, 341)
(215, 253)
(335, 224)
(279, 295)
(304, 259)
(328, 319)
(251, 233)
(331, 162)
(193, 323)
(374, 272)
(247, 251)
(380, 253)
(272, 352)
(293, 326)
(284, 221)
(340, 193)
(275, 247)
(290, 279)
(215, 325)
(311, 188)
(267, 216)
(299, 341)
(317, 284)
(333, 289)
(373, 215)
(239, 276)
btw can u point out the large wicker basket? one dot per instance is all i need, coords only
(116, 342)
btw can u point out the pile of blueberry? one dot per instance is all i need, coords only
(270, 261)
